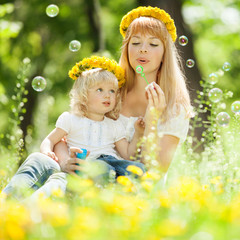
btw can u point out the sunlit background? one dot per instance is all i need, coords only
(41, 41)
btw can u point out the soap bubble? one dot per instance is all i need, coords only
(236, 107)
(52, 10)
(212, 78)
(226, 66)
(139, 69)
(190, 63)
(223, 119)
(183, 40)
(215, 95)
(39, 83)
(74, 45)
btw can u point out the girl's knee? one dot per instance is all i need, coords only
(38, 158)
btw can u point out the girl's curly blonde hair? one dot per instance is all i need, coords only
(89, 79)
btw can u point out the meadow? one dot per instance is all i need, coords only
(199, 199)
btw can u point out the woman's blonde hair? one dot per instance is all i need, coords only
(87, 80)
(170, 77)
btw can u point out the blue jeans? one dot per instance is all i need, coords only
(42, 174)
(39, 173)
(120, 166)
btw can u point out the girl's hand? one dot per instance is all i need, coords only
(139, 126)
(64, 139)
(156, 102)
(51, 155)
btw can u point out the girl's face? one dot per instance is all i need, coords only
(147, 51)
(101, 100)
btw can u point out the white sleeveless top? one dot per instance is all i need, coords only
(177, 126)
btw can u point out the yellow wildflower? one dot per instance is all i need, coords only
(135, 170)
(57, 192)
(125, 181)
(148, 12)
(147, 185)
(98, 62)
(171, 228)
(150, 175)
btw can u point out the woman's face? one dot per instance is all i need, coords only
(147, 51)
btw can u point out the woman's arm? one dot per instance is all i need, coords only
(167, 148)
(166, 144)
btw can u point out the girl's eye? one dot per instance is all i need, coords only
(112, 91)
(99, 90)
(153, 45)
(135, 43)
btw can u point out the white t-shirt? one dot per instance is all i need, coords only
(177, 126)
(96, 136)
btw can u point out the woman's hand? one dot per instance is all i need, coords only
(73, 163)
(156, 102)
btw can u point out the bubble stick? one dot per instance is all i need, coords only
(139, 69)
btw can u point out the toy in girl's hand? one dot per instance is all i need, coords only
(82, 156)
(139, 69)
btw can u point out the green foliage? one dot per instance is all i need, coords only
(215, 26)
(201, 197)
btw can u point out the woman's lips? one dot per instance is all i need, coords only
(142, 60)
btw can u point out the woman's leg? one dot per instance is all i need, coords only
(32, 174)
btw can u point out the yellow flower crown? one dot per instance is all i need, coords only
(149, 12)
(98, 62)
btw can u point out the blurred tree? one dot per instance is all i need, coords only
(45, 41)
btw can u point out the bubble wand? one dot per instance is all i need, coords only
(139, 69)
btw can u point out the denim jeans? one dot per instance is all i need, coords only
(120, 166)
(39, 173)
(42, 174)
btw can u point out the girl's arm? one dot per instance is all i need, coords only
(127, 149)
(48, 143)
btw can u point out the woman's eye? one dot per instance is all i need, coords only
(153, 45)
(99, 90)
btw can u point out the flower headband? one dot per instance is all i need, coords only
(98, 62)
(149, 12)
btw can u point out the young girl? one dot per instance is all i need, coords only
(91, 124)
(148, 40)
(95, 105)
